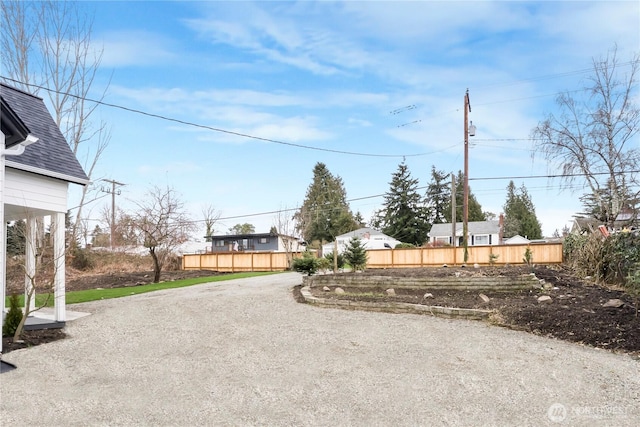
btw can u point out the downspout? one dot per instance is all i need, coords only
(16, 150)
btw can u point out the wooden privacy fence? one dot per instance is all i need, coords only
(541, 253)
(237, 261)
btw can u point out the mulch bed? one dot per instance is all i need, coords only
(32, 338)
(575, 312)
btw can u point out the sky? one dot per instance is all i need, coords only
(237, 101)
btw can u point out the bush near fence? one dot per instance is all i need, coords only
(543, 253)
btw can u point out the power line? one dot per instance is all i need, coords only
(521, 81)
(568, 175)
(553, 76)
(425, 187)
(215, 129)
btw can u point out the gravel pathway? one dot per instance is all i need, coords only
(244, 353)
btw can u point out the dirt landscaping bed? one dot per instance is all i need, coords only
(576, 310)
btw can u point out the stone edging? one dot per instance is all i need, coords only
(471, 283)
(397, 307)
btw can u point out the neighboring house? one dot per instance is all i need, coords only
(626, 219)
(480, 233)
(36, 167)
(255, 242)
(517, 240)
(369, 237)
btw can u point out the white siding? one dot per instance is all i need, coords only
(35, 191)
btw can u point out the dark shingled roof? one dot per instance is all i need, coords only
(51, 155)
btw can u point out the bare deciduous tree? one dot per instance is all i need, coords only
(162, 225)
(124, 233)
(284, 225)
(47, 44)
(593, 135)
(211, 216)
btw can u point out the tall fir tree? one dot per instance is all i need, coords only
(520, 214)
(438, 197)
(325, 212)
(16, 233)
(403, 215)
(475, 209)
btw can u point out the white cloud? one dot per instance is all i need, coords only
(359, 122)
(135, 48)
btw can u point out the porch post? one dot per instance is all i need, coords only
(30, 260)
(3, 240)
(57, 223)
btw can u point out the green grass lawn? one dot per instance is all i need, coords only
(99, 294)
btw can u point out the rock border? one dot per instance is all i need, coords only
(471, 283)
(397, 307)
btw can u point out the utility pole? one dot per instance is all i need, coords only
(113, 193)
(468, 131)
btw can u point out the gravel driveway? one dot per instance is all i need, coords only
(243, 352)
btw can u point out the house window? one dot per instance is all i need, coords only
(482, 239)
(444, 240)
(219, 243)
(263, 240)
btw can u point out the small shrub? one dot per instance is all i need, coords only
(324, 264)
(528, 257)
(632, 285)
(572, 245)
(308, 263)
(405, 246)
(14, 316)
(173, 263)
(493, 258)
(355, 254)
(329, 257)
(620, 253)
(81, 259)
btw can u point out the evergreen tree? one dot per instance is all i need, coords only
(325, 212)
(520, 214)
(403, 216)
(359, 220)
(438, 197)
(355, 254)
(16, 238)
(605, 203)
(245, 228)
(100, 238)
(475, 209)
